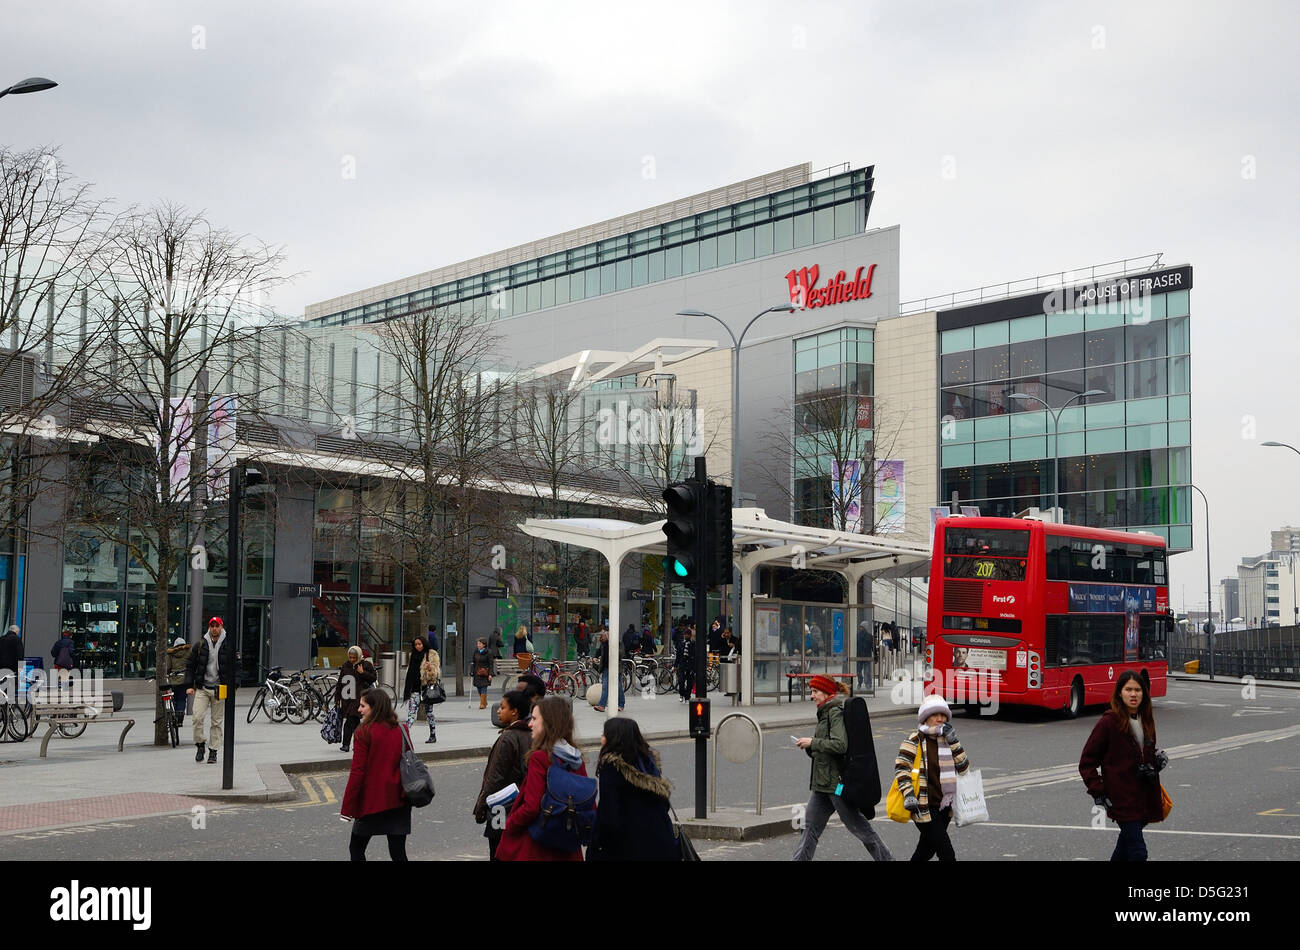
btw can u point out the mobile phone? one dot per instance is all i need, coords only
(794, 739)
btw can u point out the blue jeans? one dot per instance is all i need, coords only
(1131, 846)
(604, 691)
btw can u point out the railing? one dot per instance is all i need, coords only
(1268, 654)
(1029, 285)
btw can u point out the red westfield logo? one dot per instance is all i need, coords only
(804, 292)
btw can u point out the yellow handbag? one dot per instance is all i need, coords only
(894, 800)
(1166, 804)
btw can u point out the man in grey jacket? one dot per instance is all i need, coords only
(212, 665)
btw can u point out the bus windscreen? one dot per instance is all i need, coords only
(991, 542)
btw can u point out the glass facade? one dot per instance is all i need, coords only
(824, 210)
(834, 392)
(1125, 456)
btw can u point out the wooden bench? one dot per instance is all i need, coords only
(791, 677)
(70, 719)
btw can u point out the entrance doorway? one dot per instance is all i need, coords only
(254, 641)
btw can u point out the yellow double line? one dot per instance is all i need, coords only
(318, 793)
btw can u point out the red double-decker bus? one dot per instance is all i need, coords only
(1044, 614)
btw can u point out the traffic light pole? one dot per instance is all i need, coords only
(701, 644)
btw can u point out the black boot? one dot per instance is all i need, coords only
(432, 737)
(212, 756)
(198, 756)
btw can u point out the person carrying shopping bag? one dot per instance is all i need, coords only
(935, 756)
(423, 670)
(1121, 766)
(827, 749)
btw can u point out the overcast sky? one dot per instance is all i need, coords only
(1010, 139)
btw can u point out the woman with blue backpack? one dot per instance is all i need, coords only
(554, 814)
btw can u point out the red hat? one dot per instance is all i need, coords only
(825, 684)
(215, 621)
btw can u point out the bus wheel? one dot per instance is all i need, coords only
(1074, 705)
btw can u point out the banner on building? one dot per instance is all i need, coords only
(937, 512)
(221, 445)
(846, 488)
(178, 447)
(891, 497)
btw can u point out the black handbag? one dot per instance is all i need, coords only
(435, 694)
(417, 783)
(684, 845)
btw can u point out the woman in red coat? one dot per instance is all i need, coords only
(552, 727)
(1123, 747)
(373, 797)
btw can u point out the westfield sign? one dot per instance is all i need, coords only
(805, 294)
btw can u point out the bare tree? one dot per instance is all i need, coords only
(436, 437)
(177, 297)
(560, 474)
(48, 236)
(830, 434)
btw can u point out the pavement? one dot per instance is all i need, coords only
(87, 779)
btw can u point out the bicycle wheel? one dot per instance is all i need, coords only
(563, 685)
(70, 730)
(277, 703)
(254, 709)
(665, 681)
(173, 729)
(319, 708)
(298, 707)
(625, 680)
(392, 693)
(14, 723)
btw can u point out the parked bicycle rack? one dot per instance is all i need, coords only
(739, 756)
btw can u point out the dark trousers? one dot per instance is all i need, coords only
(350, 724)
(493, 836)
(686, 682)
(934, 837)
(357, 845)
(1131, 846)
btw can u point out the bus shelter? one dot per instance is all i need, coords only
(757, 541)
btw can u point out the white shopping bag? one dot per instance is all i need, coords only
(969, 806)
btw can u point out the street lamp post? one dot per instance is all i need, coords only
(1209, 612)
(735, 421)
(1056, 447)
(35, 84)
(1295, 607)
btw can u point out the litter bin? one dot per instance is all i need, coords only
(730, 677)
(388, 669)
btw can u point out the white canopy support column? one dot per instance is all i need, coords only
(614, 540)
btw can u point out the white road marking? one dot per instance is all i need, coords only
(1217, 705)
(1146, 831)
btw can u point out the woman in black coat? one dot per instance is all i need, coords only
(1123, 747)
(632, 822)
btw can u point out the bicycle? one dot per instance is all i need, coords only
(281, 701)
(13, 721)
(169, 714)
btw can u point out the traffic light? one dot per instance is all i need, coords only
(699, 719)
(717, 536)
(686, 501)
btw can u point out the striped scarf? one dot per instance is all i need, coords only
(947, 774)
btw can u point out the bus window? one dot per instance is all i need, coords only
(1153, 632)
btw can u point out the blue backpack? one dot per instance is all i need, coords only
(568, 811)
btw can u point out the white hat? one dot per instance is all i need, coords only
(178, 642)
(13, 628)
(933, 704)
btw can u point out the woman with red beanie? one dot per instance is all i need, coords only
(827, 748)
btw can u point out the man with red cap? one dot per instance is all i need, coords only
(212, 665)
(827, 749)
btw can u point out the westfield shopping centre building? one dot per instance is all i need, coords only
(929, 383)
(924, 388)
